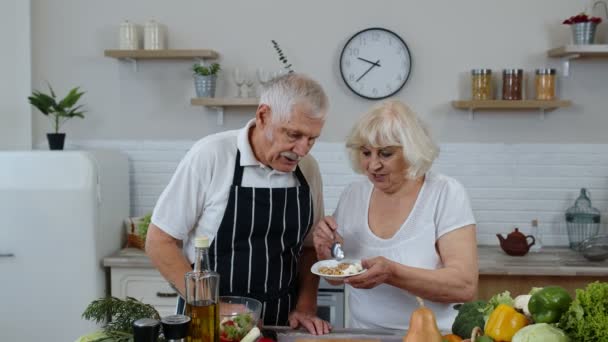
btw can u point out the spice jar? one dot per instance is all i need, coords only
(545, 84)
(481, 84)
(512, 84)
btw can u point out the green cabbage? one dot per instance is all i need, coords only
(541, 332)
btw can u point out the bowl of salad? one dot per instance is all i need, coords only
(238, 315)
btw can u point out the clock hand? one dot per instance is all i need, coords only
(370, 62)
(368, 70)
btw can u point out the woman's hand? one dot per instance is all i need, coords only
(379, 270)
(324, 236)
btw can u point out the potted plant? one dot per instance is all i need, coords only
(205, 79)
(583, 27)
(58, 111)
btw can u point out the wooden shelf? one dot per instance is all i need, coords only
(161, 54)
(506, 104)
(580, 51)
(568, 52)
(218, 103)
(224, 102)
(541, 105)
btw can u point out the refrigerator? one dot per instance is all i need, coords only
(61, 213)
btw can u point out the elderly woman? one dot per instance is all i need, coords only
(412, 228)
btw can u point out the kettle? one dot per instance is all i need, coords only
(516, 243)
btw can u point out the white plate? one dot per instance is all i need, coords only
(333, 263)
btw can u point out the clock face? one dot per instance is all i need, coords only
(375, 63)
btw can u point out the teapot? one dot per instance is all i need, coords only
(516, 243)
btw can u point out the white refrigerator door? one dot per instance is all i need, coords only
(49, 242)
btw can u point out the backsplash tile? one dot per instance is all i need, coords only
(509, 185)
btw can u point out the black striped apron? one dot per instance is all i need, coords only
(259, 243)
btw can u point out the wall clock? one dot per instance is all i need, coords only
(375, 63)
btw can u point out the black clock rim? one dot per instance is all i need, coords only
(407, 48)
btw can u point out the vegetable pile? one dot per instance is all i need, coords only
(233, 329)
(544, 315)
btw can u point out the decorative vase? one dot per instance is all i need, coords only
(205, 85)
(56, 140)
(583, 33)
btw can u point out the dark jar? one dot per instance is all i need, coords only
(512, 84)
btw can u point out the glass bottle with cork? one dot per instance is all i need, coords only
(202, 296)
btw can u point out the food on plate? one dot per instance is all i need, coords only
(548, 304)
(342, 269)
(234, 328)
(469, 316)
(423, 326)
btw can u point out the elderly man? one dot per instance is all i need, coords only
(257, 189)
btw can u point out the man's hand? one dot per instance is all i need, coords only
(310, 321)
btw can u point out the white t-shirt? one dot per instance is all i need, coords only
(194, 202)
(441, 207)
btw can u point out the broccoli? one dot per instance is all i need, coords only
(469, 316)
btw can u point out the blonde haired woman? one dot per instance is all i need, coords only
(412, 228)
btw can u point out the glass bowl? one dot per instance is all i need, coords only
(238, 315)
(595, 248)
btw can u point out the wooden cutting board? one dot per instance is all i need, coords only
(335, 340)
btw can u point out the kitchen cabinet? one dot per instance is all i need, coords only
(552, 266)
(132, 275)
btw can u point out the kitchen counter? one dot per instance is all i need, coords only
(285, 334)
(498, 271)
(552, 261)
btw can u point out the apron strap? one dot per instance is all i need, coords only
(238, 170)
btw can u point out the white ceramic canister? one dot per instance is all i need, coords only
(154, 36)
(129, 36)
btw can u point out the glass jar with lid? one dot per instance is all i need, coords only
(544, 82)
(512, 84)
(582, 220)
(481, 84)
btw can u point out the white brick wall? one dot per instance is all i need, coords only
(509, 185)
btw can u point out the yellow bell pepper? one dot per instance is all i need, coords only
(504, 322)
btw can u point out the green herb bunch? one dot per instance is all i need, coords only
(204, 70)
(282, 58)
(60, 111)
(142, 226)
(117, 316)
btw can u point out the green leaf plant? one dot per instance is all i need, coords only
(58, 111)
(203, 70)
(282, 58)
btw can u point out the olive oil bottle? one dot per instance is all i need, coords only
(202, 296)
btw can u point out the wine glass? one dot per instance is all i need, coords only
(239, 80)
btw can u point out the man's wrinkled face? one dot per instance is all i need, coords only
(292, 140)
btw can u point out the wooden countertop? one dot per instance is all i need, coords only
(551, 261)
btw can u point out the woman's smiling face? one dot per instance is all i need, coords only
(385, 167)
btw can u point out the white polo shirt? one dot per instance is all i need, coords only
(194, 202)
